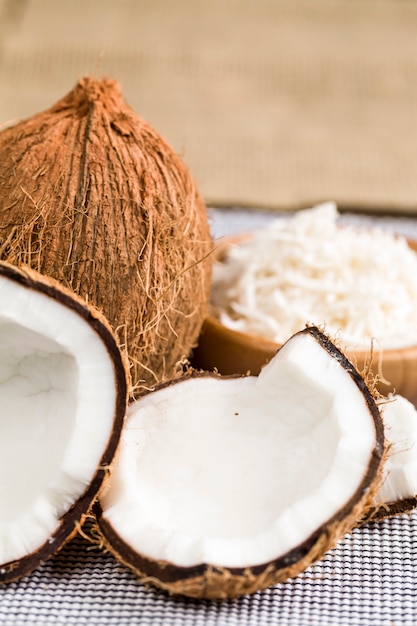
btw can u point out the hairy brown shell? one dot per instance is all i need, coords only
(92, 196)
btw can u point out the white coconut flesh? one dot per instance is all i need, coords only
(400, 470)
(57, 406)
(236, 472)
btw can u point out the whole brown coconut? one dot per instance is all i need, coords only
(91, 195)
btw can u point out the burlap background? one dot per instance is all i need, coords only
(274, 103)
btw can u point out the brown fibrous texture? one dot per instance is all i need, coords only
(91, 195)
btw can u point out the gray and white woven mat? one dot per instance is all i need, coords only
(370, 578)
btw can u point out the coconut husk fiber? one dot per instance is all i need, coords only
(272, 103)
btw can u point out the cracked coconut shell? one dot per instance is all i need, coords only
(223, 486)
(92, 196)
(63, 396)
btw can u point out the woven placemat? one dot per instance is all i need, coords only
(368, 579)
(271, 103)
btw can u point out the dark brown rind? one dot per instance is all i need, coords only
(390, 509)
(71, 521)
(212, 582)
(337, 354)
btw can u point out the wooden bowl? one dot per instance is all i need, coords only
(232, 352)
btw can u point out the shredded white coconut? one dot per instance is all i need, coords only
(361, 284)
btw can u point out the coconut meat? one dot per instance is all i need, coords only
(236, 472)
(361, 282)
(400, 469)
(57, 396)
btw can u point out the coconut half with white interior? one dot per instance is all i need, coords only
(62, 404)
(224, 486)
(398, 491)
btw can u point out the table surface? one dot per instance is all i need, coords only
(369, 578)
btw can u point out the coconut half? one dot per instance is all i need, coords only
(62, 404)
(398, 491)
(224, 486)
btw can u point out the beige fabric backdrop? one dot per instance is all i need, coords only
(270, 102)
